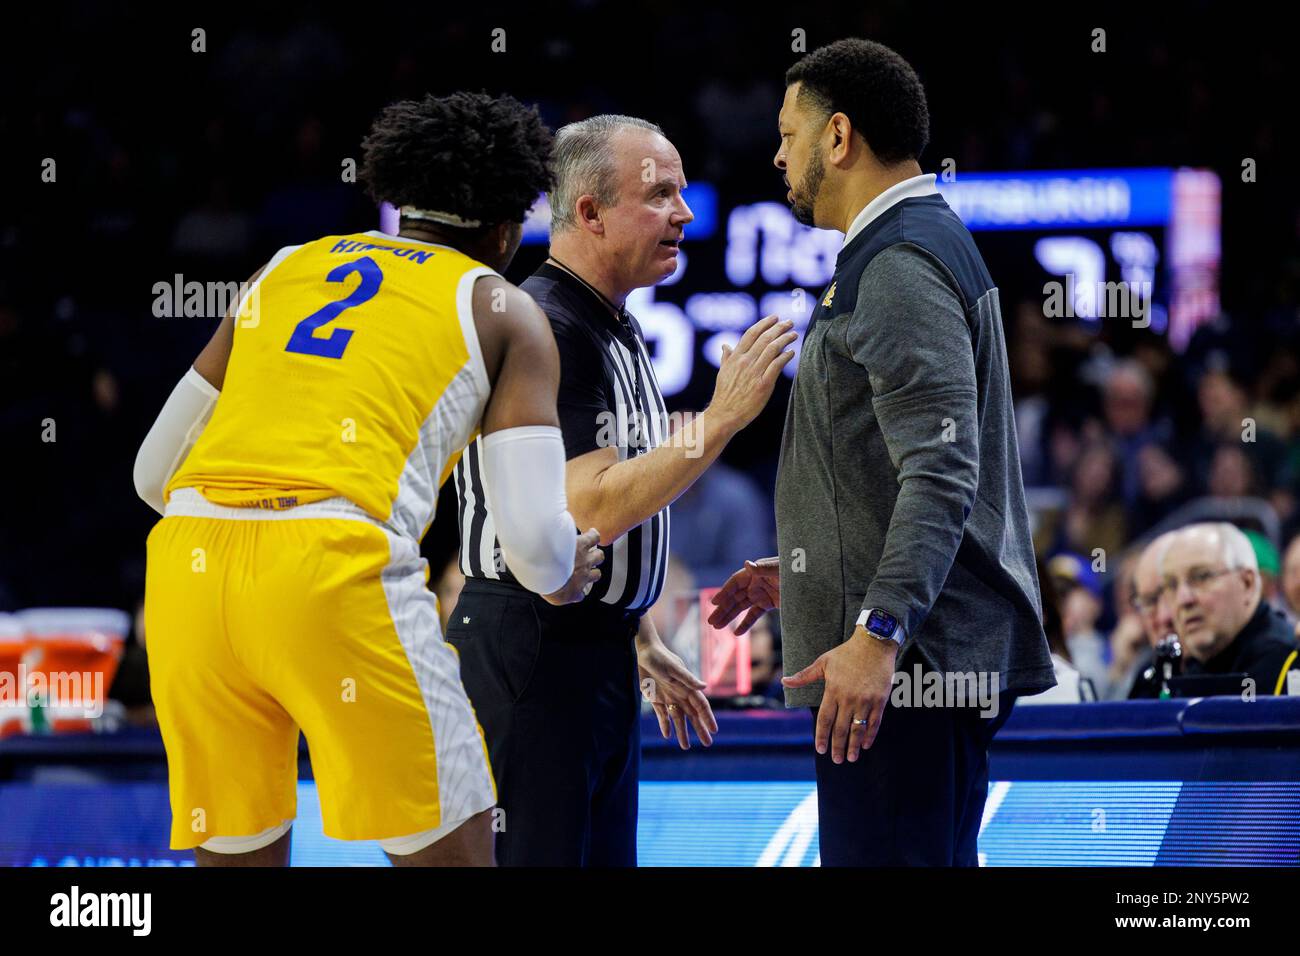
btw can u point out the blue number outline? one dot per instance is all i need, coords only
(333, 345)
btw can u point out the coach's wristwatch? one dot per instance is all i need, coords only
(881, 625)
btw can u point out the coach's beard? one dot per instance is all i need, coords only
(805, 194)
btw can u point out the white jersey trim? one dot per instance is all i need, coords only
(465, 311)
(281, 254)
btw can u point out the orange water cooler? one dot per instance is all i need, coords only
(13, 700)
(69, 659)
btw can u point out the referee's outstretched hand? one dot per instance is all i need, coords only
(585, 571)
(748, 372)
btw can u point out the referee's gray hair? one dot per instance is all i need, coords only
(583, 161)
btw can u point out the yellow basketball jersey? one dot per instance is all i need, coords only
(355, 372)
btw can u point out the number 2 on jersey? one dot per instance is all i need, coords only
(332, 345)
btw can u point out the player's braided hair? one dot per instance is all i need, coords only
(875, 88)
(470, 154)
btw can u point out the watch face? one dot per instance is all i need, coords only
(881, 622)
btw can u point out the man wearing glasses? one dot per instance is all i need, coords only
(1154, 620)
(1210, 581)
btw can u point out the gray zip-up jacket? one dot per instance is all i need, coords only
(899, 484)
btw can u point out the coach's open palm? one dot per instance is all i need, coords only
(585, 571)
(859, 675)
(754, 589)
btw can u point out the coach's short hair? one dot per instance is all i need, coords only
(584, 164)
(479, 157)
(875, 88)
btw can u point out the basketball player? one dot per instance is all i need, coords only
(285, 588)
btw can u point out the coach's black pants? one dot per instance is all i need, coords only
(917, 796)
(556, 692)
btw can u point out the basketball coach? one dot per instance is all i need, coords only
(900, 511)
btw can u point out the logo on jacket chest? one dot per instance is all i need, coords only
(829, 297)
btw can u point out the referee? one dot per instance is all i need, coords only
(557, 688)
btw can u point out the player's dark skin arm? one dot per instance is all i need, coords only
(211, 362)
(523, 366)
(519, 351)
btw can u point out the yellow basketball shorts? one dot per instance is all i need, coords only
(259, 623)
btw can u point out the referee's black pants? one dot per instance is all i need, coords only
(556, 692)
(917, 796)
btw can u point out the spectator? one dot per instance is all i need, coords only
(1291, 577)
(1226, 421)
(1031, 374)
(1270, 567)
(1231, 473)
(1212, 580)
(1162, 488)
(215, 229)
(1093, 518)
(1147, 621)
(1077, 590)
(1128, 394)
(1069, 682)
(1285, 493)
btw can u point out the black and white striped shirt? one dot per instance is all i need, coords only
(608, 396)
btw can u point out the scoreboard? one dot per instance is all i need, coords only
(1064, 239)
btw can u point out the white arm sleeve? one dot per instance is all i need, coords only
(178, 427)
(523, 475)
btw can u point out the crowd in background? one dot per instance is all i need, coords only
(173, 161)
